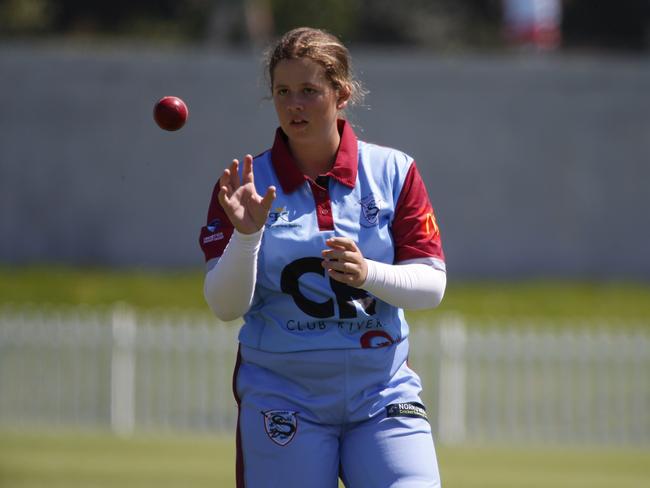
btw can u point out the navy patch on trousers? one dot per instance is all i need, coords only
(408, 409)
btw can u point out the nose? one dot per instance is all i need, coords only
(295, 103)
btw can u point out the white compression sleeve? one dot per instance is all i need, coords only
(229, 285)
(410, 286)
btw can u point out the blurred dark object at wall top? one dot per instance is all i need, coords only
(620, 25)
(434, 25)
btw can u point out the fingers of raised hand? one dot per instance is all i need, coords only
(225, 191)
(247, 173)
(230, 178)
(269, 196)
(224, 180)
(233, 173)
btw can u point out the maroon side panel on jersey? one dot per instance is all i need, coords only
(239, 464)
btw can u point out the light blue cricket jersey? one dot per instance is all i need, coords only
(373, 195)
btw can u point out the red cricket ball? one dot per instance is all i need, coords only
(170, 113)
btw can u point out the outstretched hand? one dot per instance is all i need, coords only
(344, 262)
(245, 208)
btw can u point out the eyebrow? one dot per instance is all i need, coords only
(306, 83)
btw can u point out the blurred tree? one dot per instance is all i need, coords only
(437, 24)
(240, 21)
(144, 18)
(259, 20)
(340, 17)
(226, 22)
(25, 17)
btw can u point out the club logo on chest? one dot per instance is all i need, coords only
(370, 207)
(280, 425)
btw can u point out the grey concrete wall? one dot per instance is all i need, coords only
(535, 166)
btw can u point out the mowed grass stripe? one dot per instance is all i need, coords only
(95, 460)
(593, 301)
(511, 467)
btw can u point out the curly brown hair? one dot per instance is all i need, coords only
(325, 49)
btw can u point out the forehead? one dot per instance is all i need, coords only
(298, 71)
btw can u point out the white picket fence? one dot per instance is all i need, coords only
(172, 371)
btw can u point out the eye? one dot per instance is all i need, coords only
(309, 91)
(281, 91)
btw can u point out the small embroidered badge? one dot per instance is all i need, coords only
(280, 425)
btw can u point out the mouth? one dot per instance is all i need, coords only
(298, 122)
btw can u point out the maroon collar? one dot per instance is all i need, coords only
(345, 166)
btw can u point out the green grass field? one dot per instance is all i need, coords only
(184, 289)
(103, 461)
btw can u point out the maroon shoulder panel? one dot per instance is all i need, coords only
(415, 228)
(215, 235)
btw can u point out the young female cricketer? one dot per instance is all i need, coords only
(320, 243)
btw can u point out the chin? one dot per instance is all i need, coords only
(298, 132)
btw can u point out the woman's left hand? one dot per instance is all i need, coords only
(344, 262)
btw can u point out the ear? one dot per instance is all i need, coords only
(343, 97)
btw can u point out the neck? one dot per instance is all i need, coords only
(315, 159)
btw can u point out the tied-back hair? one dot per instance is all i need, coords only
(323, 48)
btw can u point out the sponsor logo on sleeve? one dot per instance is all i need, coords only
(430, 224)
(280, 425)
(407, 409)
(213, 233)
(213, 237)
(214, 225)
